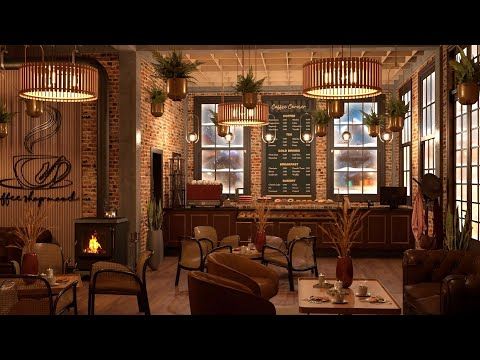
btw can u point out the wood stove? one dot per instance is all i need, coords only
(100, 239)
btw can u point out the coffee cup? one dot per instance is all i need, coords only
(362, 290)
(321, 279)
(243, 249)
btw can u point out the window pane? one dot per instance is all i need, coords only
(370, 182)
(236, 180)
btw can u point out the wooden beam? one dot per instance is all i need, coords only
(265, 66)
(288, 68)
(239, 61)
(385, 57)
(192, 60)
(216, 61)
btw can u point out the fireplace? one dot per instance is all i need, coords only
(100, 239)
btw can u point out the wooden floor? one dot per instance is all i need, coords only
(166, 299)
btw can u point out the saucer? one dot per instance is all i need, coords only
(324, 286)
(340, 302)
(366, 295)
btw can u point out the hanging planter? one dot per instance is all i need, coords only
(467, 77)
(222, 130)
(373, 130)
(396, 110)
(3, 130)
(395, 123)
(175, 72)
(157, 109)
(320, 130)
(321, 119)
(336, 108)
(249, 87)
(373, 122)
(157, 99)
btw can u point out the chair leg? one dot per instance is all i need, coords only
(178, 275)
(89, 302)
(92, 308)
(316, 270)
(146, 305)
(290, 278)
(141, 307)
(75, 308)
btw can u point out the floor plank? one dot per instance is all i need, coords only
(166, 299)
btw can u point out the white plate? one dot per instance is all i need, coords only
(366, 295)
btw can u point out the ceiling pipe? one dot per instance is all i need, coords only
(102, 125)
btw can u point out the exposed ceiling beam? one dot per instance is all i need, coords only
(312, 55)
(288, 69)
(192, 60)
(265, 66)
(216, 61)
(239, 61)
(386, 56)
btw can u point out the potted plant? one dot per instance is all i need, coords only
(321, 118)
(467, 77)
(341, 233)
(373, 121)
(396, 110)
(5, 118)
(176, 72)
(249, 87)
(157, 97)
(222, 130)
(457, 237)
(260, 216)
(155, 222)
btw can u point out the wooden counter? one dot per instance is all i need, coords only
(384, 230)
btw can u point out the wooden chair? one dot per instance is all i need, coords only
(114, 278)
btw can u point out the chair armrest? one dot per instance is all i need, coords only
(16, 266)
(275, 249)
(72, 286)
(417, 265)
(123, 273)
(232, 240)
(460, 294)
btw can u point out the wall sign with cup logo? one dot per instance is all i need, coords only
(39, 172)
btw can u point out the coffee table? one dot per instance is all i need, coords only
(251, 254)
(353, 305)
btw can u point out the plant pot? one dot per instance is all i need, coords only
(177, 88)
(155, 244)
(260, 240)
(344, 270)
(34, 107)
(373, 130)
(395, 123)
(29, 266)
(249, 100)
(157, 109)
(320, 130)
(3, 130)
(222, 130)
(336, 109)
(467, 93)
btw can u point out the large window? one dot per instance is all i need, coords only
(467, 167)
(427, 124)
(217, 159)
(406, 140)
(355, 164)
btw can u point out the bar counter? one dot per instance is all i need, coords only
(385, 230)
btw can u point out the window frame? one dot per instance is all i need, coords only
(404, 89)
(331, 194)
(197, 156)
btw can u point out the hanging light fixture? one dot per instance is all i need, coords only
(347, 135)
(229, 137)
(336, 108)
(193, 137)
(306, 137)
(59, 81)
(342, 78)
(385, 135)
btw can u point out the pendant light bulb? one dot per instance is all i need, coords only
(346, 136)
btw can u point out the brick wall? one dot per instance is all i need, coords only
(165, 133)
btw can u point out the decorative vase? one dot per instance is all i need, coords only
(177, 88)
(260, 240)
(373, 130)
(157, 109)
(156, 245)
(249, 100)
(395, 123)
(344, 270)
(34, 107)
(29, 266)
(3, 130)
(336, 109)
(320, 130)
(222, 130)
(467, 93)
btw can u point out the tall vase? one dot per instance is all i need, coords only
(345, 270)
(260, 240)
(29, 265)
(156, 245)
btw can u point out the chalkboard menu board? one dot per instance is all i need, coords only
(289, 164)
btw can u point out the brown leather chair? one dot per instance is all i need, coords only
(261, 280)
(441, 282)
(215, 295)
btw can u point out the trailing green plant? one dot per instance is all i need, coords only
(248, 84)
(174, 66)
(213, 116)
(372, 119)
(466, 70)
(396, 107)
(155, 215)
(321, 117)
(156, 95)
(457, 237)
(5, 116)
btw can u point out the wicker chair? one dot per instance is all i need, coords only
(194, 252)
(300, 256)
(29, 295)
(114, 278)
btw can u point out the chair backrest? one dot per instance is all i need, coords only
(49, 256)
(191, 253)
(297, 232)
(302, 252)
(25, 295)
(206, 232)
(214, 295)
(7, 268)
(142, 264)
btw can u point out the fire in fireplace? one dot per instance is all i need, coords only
(94, 246)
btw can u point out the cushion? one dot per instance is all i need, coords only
(427, 306)
(421, 290)
(268, 288)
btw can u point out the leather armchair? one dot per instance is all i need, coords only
(215, 295)
(261, 280)
(441, 282)
(209, 232)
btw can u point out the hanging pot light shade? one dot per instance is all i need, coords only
(342, 78)
(59, 81)
(336, 108)
(235, 114)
